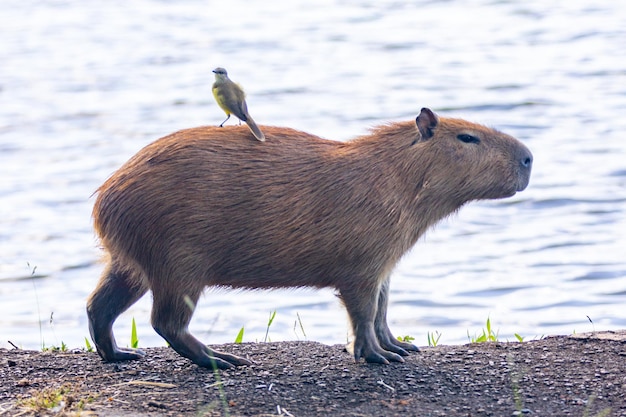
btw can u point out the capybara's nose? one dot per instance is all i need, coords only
(526, 164)
(526, 159)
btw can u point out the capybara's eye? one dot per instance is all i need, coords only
(464, 137)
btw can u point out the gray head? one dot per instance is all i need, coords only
(220, 72)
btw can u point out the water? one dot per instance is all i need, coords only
(83, 86)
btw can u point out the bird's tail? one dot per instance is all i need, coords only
(255, 129)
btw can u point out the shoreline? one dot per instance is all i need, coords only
(578, 375)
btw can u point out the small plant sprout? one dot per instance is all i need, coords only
(55, 401)
(32, 270)
(269, 323)
(295, 323)
(406, 338)
(593, 327)
(488, 335)
(46, 399)
(88, 345)
(239, 338)
(134, 340)
(518, 337)
(433, 338)
(63, 347)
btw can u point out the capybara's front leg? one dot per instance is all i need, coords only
(361, 304)
(385, 337)
(117, 290)
(171, 314)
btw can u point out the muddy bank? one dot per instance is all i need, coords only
(580, 375)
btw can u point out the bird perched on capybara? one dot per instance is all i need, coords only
(208, 207)
(232, 99)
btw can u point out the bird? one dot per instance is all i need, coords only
(232, 99)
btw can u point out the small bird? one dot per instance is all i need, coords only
(232, 99)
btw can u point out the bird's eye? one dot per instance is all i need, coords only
(464, 137)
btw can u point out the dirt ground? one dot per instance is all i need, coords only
(580, 375)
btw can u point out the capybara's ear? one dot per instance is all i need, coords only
(427, 122)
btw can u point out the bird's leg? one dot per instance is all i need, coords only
(222, 124)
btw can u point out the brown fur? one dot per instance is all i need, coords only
(209, 207)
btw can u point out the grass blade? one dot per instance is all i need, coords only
(239, 338)
(269, 323)
(134, 340)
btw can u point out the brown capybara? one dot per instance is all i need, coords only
(210, 207)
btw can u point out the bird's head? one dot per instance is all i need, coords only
(220, 73)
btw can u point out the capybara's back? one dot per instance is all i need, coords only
(209, 207)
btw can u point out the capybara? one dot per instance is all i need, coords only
(208, 206)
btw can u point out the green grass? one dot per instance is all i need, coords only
(45, 399)
(62, 348)
(488, 335)
(88, 346)
(50, 401)
(134, 340)
(269, 323)
(32, 270)
(433, 338)
(406, 338)
(296, 325)
(239, 338)
(299, 321)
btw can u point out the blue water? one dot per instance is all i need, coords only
(83, 86)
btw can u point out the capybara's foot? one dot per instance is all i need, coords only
(214, 359)
(188, 346)
(373, 353)
(231, 359)
(121, 354)
(409, 347)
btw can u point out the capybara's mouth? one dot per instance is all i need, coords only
(523, 182)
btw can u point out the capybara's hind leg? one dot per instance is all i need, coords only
(117, 290)
(171, 314)
(385, 337)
